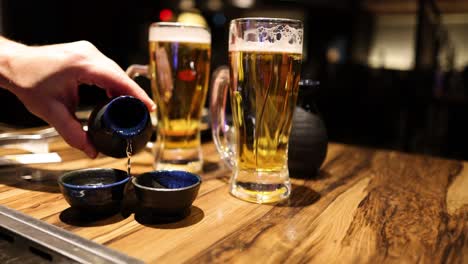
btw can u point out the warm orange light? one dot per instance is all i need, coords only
(165, 15)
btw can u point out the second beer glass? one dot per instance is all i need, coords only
(179, 72)
(265, 56)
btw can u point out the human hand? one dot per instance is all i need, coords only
(46, 80)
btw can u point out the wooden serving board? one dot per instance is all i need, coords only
(365, 206)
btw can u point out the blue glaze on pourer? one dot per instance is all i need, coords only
(117, 119)
(122, 120)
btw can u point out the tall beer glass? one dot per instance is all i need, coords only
(265, 58)
(179, 72)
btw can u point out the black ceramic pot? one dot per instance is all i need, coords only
(166, 193)
(94, 191)
(121, 120)
(308, 142)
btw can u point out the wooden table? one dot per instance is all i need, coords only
(365, 206)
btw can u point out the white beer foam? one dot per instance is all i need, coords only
(180, 34)
(281, 38)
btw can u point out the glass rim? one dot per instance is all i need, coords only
(267, 19)
(177, 24)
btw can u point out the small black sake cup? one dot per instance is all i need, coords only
(166, 193)
(94, 191)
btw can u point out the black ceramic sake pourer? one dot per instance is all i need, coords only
(308, 141)
(121, 120)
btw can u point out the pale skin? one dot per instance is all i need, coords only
(46, 80)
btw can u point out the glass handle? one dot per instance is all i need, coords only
(222, 131)
(136, 70)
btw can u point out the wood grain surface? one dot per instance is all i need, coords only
(365, 206)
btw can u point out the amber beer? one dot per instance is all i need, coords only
(263, 103)
(264, 87)
(179, 68)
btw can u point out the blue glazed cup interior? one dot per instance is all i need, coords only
(94, 178)
(167, 180)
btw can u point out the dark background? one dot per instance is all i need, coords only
(363, 98)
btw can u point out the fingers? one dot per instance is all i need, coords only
(69, 128)
(115, 81)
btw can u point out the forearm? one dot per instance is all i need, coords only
(8, 51)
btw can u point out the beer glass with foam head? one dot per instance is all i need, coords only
(262, 79)
(179, 72)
